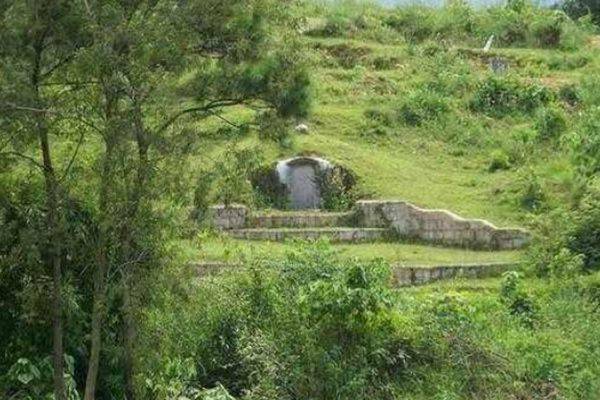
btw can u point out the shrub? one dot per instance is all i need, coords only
(414, 23)
(500, 161)
(568, 62)
(587, 143)
(232, 172)
(519, 303)
(568, 240)
(547, 30)
(268, 190)
(550, 122)
(337, 187)
(422, 106)
(566, 264)
(346, 56)
(584, 237)
(532, 196)
(522, 146)
(335, 25)
(579, 8)
(499, 96)
(312, 327)
(380, 116)
(508, 25)
(570, 94)
(381, 63)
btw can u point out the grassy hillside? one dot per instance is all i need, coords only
(400, 110)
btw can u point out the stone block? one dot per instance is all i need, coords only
(232, 216)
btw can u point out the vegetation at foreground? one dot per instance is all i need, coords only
(314, 327)
(120, 122)
(98, 74)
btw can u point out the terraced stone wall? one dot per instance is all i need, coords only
(405, 219)
(232, 216)
(411, 276)
(438, 226)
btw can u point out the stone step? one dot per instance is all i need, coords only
(338, 234)
(299, 219)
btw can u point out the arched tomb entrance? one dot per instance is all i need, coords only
(301, 175)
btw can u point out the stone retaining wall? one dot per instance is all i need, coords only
(405, 219)
(232, 216)
(412, 276)
(402, 276)
(438, 226)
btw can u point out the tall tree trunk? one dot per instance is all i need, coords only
(53, 239)
(128, 338)
(54, 249)
(98, 312)
(100, 275)
(138, 194)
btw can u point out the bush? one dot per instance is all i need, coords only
(500, 161)
(532, 196)
(587, 143)
(380, 116)
(550, 123)
(345, 55)
(414, 23)
(519, 303)
(568, 240)
(336, 25)
(547, 30)
(422, 106)
(571, 95)
(232, 173)
(579, 8)
(584, 237)
(268, 190)
(311, 328)
(499, 96)
(337, 187)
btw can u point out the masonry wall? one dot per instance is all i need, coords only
(405, 219)
(400, 275)
(438, 226)
(232, 216)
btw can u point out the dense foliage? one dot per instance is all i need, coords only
(315, 327)
(121, 122)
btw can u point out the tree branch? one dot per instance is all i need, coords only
(222, 118)
(200, 109)
(56, 66)
(72, 160)
(24, 157)
(14, 107)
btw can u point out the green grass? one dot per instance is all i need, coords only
(222, 248)
(442, 164)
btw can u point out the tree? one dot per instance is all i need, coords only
(237, 60)
(579, 8)
(39, 38)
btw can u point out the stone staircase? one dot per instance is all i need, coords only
(312, 225)
(368, 221)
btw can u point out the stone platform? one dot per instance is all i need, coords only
(369, 220)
